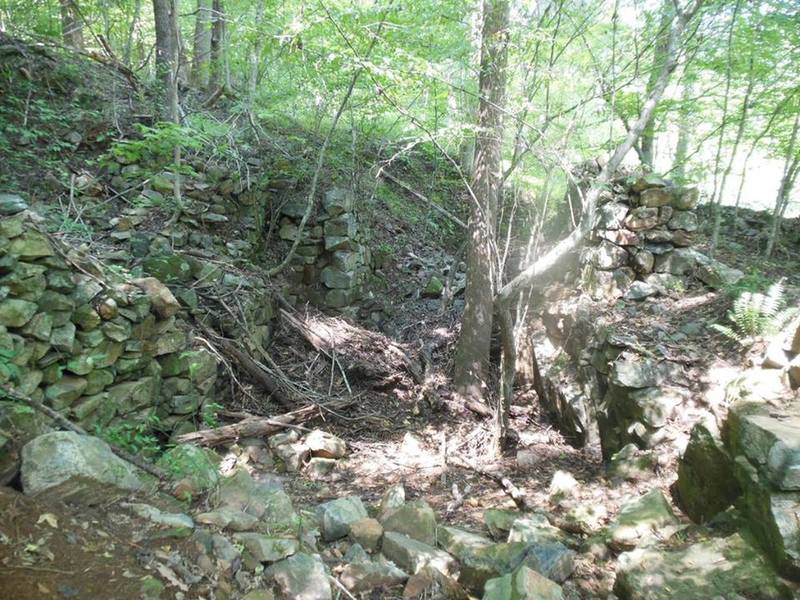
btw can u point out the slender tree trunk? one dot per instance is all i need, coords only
(202, 44)
(217, 45)
(734, 150)
(684, 128)
(71, 24)
(128, 52)
(255, 53)
(174, 106)
(785, 189)
(716, 198)
(161, 18)
(472, 351)
(648, 138)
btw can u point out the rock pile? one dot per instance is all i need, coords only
(96, 348)
(330, 265)
(643, 231)
(752, 462)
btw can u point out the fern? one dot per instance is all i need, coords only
(754, 315)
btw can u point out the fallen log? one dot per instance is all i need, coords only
(254, 426)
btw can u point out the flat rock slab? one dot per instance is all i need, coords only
(769, 438)
(367, 576)
(415, 519)
(267, 549)
(412, 555)
(717, 568)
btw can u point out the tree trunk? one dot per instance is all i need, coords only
(684, 128)
(128, 52)
(162, 18)
(647, 142)
(202, 44)
(785, 189)
(716, 199)
(217, 39)
(472, 352)
(71, 24)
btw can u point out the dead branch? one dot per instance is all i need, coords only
(516, 494)
(65, 423)
(255, 426)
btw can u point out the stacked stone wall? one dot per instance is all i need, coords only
(98, 349)
(330, 266)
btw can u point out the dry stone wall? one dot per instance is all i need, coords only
(98, 349)
(330, 266)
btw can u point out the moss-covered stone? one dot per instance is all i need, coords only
(16, 313)
(64, 392)
(31, 244)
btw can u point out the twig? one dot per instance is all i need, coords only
(516, 494)
(338, 584)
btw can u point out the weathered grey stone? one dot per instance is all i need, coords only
(606, 285)
(430, 583)
(163, 301)
(342, 226)
(301, 577)
(157, 516)
(16, 313)
(267, 549)
(642, 218)
(631, 465)
(639, 290)
(685, 198)
(335, 279)
(65, 391)
(11, 204)
(714, 273)
(337, 201)
(552, 559)
(523, 584)
(74, 463)
(640, 520)
(460, 543)
(635, 371)
(393, 498)
(63, 338)
(415, 519)
(680, 261)
(31, 244)
(643, 262)
(235, 520)
(168, 269)
(325, 445)
(535, 529)
(334, 517)
(607, 256)
(683, 219)
(262, 499)
(656, 197)
(499, 522)
(368, 576)
(706, 484)
(647, 181)
(39, 327)
(611, 215)
(434, 288)
(717, 568)
(412, 555)
(367, 532)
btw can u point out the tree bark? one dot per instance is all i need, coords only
(472, 352)
(71, 24)
(785, 189)
(202, 44)
(684, 128)
(162, 19)
(647, 142)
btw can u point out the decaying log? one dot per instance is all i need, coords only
(65, 423)
(254, 426)
(384, 354)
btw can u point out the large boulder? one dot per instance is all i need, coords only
(706, 484)
(76, 467)
(717, 568)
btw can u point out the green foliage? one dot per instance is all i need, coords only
(754, 315)
(210, 414)
(134, 437)
(155, 145)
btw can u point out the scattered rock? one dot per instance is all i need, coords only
(267, 549)
(412, 555)
(301, 577)
(431, 584)
(325, 445)
(367, 532)
(415, 519)
(368, 576)
(522, 584)
(641, 520)
(717, 568)
(335, 517)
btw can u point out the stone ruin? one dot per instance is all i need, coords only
(642, 238)
(96, 348)
(332, 261)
